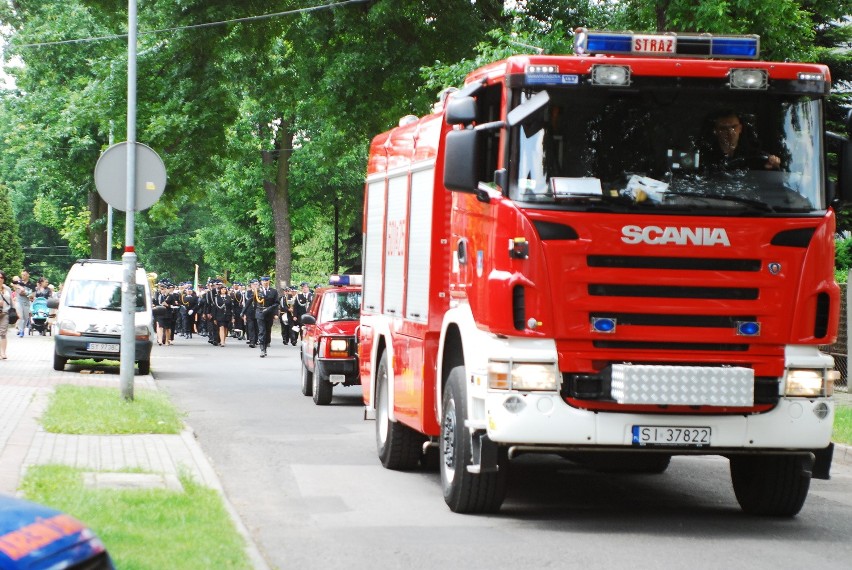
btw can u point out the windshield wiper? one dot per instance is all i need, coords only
(756, 204)
(83, 307)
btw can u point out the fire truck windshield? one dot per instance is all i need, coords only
(733, 152)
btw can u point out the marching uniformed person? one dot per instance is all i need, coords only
(249, 313)
(222, 307)
(301, 304)
(188, 303)
(265, 309)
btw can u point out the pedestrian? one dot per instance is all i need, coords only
(163, 314)
(222, 308)
(25, 290)
(265, 309)
(249, 313)
(188, 303)
(302, 303)
(7, 298)
(238, 297)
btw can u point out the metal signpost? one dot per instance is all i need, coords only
(143, 187)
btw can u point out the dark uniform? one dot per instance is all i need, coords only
(265, 309)
(188, 304)
(221, 313)
(249, 313)
(301, 304)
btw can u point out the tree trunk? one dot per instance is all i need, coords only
(660, 12)
(278, 196)
(97, 226)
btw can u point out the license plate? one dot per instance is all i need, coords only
(671, 435)
(103, 347)
(337, 377)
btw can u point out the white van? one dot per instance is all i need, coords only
(89, 320)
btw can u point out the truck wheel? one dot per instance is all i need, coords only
(771, 485)
(59, 362)
(322, 388)
(144, 367)
(307, 380)
(465, 492)
(398, 445)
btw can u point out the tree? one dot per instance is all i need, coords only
(11, 254)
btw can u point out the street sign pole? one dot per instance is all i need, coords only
(128, 298)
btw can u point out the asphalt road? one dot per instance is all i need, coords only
(308, 485)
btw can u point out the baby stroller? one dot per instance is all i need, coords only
(38, 316)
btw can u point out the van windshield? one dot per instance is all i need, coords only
(100, 295)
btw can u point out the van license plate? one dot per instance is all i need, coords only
(671, 435)
(103, 347)
(337, 377)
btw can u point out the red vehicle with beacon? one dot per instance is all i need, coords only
(329, 338)
(573, 255)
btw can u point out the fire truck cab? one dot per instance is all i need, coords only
(620, 255)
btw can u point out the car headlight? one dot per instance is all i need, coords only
(68, 328)
(503, 375)
(142, 332)
(810, 382)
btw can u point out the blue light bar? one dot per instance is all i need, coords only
(343, 280)
(588, 42)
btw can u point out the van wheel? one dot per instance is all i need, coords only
(466, 492)
(144, 367)
(59, 362)
(398, 445)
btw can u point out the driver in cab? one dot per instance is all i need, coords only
(731, 150)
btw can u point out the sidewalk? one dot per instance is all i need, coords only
(26, 381)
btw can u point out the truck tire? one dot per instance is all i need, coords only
(307, 379)
(144, 367)
(399, 447)
(771, 485)
(59, 362)
(465, 492)
(322, 388)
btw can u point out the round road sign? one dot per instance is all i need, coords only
(111, 177)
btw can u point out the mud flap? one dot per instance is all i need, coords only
(483, 454)
(822, 462)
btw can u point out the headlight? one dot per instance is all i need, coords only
(68, 328)
(141, 332)
(504, 375)
(810, 382)
(334, 347)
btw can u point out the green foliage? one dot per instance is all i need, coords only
(11, 254)
(843, 424)
(211, 101)
(93, 410)
(145, 529)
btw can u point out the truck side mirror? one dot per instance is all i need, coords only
(308, 319)
(461, 111)
(52, 303)
(461, 153)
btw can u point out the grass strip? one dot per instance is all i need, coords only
(843, 425)
(145, 529)
(102, 411)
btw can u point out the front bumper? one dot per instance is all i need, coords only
(545, 419)
(339, 370)
(79, 347)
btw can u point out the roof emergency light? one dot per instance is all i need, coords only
(587, 42)
(342, 280)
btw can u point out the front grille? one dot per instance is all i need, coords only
(651, 345)
(673, 292)
(674, 263)
(708, 321)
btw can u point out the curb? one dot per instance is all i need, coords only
(211, 479)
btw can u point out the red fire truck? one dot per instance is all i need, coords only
(616, 256)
